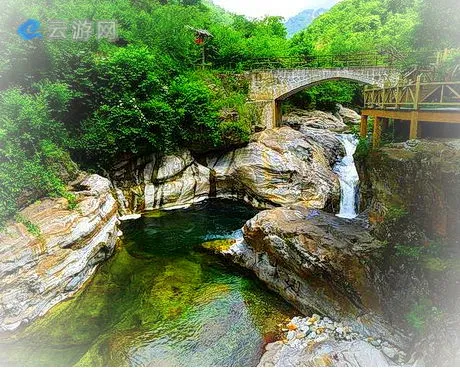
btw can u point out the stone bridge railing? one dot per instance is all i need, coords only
(269, 87)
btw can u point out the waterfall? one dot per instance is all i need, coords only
(348, 176)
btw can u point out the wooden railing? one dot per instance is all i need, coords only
(414, 96)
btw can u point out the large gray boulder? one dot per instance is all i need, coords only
(329, 353)
(318, 262)
(319, 341)
(42, 268)
(301, 119)
(278, 167)
(167, 182)
(349, 116)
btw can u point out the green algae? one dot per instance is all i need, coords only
(219, 246)
(159, 301)
(154, 214)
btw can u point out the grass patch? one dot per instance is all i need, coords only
(395, 213)
(32, 228)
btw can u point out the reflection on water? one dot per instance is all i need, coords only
(160, 301)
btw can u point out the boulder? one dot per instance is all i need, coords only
(349, 116)
(318, 262)
(320, 341)
(278, 167)
(49, 260)
(329, 353)
(300, 119)
(167, 182)
(332, 147)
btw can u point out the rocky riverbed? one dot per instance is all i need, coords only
(332, 269)
(319, 341)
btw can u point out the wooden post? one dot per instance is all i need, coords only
(277, 113)
(363, 126)
(385, 123)
(414, 126)
(377, 132)
(384, 97)
(397, 95)
(417, 92)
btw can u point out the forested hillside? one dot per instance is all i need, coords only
(387, 26)
(96, 101)
(100, 100)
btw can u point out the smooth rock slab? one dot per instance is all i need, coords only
(314, 119)
(329, 353)
(168, 182)
(349, 116)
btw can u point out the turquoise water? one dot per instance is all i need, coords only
(161, 300)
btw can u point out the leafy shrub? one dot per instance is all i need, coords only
(363, 148)
(408, 251)
(32, 160)
(395, 213)
(32, 228)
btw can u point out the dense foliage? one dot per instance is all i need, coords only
(392, 27)
(357, 25)
(100, 101)
(96, 101)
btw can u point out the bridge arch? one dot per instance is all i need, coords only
(310, 82)
(269, 87)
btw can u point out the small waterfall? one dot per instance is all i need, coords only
(348, 176)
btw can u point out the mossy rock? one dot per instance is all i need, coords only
(219, 246)
(154, 214)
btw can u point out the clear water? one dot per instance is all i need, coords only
(349, 178)
(160, 301)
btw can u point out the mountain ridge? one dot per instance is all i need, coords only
(302, 20)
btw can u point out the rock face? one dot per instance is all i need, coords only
(420, 178)
(299, 119)
(412, 191)
(38, 271)
(319, 263)
(328, 353)
(161, 182)
(321, 342)
(278, 167)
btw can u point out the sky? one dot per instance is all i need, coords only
(260, 8)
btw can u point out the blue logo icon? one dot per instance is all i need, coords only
(29, 30)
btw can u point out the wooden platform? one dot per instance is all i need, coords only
(413, 116)
(419, 101)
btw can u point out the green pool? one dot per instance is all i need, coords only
(160, 300)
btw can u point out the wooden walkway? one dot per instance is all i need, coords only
(415, 102)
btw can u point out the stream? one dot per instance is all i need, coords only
(160, 301)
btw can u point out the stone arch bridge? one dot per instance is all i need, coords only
(268, 88)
